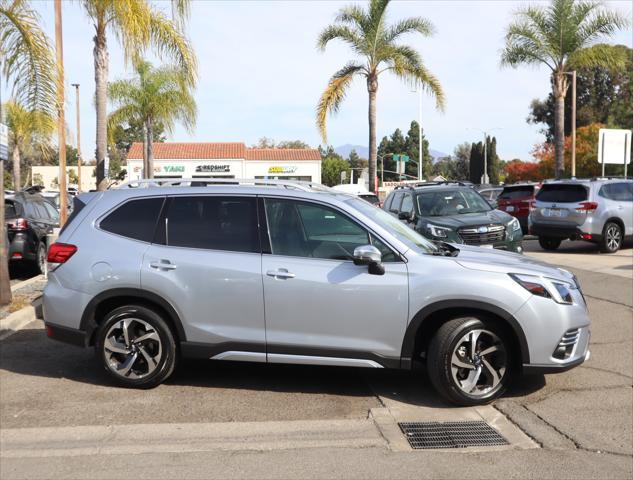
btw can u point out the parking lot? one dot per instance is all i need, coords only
(61, 415)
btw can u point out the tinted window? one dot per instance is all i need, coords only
(214, 223)
(388, 201)
(516, 193)
(622, 192)
(41, 211)
(562, 193)
(371, 198)
(29, 210)
(407, 204)
(10, 210)
(301, 229)
(395, 203)
(134, 219)
(52, 211)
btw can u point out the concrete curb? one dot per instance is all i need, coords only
(200, 437)
(26, 283)
(18, 320)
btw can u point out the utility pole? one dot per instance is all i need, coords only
(61, 123)
(79, 162)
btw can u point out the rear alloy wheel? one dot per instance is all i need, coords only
(468, 361)
(549, 243)
(40, 261)
(136, 347)
(611, 238)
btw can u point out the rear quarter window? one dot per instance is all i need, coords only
(134, 219)
(10, 210)
(562, 193)
(516, 193)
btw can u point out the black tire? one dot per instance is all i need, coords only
(611, 238)
(448, 340)
(160, 349)
(549, 243)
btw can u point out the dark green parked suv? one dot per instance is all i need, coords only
(454, 213)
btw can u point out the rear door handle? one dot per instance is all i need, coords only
(163, 265)
(281, 273)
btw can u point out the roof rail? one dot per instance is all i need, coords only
(434, 184)
(211, 181)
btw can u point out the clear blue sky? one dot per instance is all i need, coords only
(261, 75)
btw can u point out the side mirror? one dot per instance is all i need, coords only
(408, 216)
(370, 256)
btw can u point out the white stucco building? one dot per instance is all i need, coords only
(225, 160)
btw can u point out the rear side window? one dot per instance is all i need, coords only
(395, 203)
(517, 193)
(134, 219)
(213, 223)
(622, 192)
(10, 210)
(407, 204)
(562, 193)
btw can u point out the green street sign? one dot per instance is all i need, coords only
(401, 158)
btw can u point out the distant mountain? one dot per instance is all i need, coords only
(344, 150)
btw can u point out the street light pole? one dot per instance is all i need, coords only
(61, 123)
(76, 85)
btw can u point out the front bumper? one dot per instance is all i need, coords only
(546, 325)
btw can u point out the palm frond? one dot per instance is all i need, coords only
(341, 32)
(353, 15)
(27, 56)
(334, 94)
(409, 25)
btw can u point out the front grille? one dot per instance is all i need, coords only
(482, 235)
(425, 435)
(567, 343)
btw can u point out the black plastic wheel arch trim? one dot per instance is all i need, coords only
(408, 344)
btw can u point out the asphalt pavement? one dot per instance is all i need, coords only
(61, 418)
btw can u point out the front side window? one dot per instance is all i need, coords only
(301, 229)
(213, 223)
(134, 219)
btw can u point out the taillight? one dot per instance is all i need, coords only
(587, 207)
(60, 252)
(19, 224)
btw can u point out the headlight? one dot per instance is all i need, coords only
(514, 225)
(441, 232)
(557, 290)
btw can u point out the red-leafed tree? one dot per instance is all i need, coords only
(520, 171)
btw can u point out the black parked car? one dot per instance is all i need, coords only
(29, 219)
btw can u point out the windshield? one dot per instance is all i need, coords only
(399, 230)
(440, 203)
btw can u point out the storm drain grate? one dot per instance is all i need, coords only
(451, 434)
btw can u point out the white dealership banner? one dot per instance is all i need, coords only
(614, 146)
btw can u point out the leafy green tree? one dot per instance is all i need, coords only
(27, 58)
(137, 26)
(29, 131)
(331, 168)
(562, 36)
(478, 156)
(155, 95)
(603, 95)
(398, 144)
(366, 31)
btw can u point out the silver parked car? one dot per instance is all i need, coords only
(596, 210)
(268, 271)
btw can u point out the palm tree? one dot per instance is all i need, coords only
(562, 36)
(26, 60)
(137, 25)
(28, 130)
(375, 42)
(156, 96)
(26, 56)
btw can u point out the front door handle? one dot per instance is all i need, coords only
(163, 265)
(281, 273)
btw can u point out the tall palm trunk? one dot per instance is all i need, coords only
(17, 177)
(372, 88)
(150, 149)
(101, 59)
(145, 166)
(560, 87)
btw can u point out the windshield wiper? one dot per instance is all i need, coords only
(445, 249)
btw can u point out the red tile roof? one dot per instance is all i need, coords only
(210, 150)
(179, 150)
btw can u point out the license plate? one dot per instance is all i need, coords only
(510, 208)
(554, 212)
(487, 246)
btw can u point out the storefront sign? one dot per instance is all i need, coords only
(163, 169)
(281, 170)
(213, 168)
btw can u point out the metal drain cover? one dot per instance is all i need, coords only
(451, 434)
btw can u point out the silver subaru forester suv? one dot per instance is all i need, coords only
(282, 272)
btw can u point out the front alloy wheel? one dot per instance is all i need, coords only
(468, 362)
